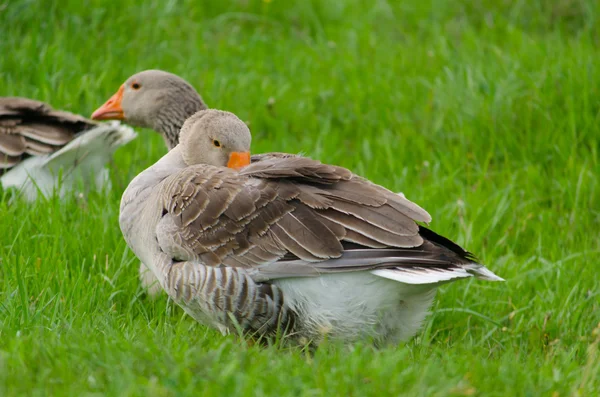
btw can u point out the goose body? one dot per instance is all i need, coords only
(46, 150)
(285, 243)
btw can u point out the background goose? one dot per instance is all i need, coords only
(42, 149)
(158, 100)
(284, 242)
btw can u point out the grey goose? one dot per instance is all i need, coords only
(285, 242)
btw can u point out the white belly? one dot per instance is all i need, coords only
(350, 306)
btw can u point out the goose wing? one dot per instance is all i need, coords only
(290, 216)
(32, 128)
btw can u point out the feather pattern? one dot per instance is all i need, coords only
(226, 298)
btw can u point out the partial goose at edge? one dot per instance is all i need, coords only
(46, 150)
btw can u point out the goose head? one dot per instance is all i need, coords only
(217, 138)
(153, 99)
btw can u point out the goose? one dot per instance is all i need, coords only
(158, 100)
(46, 150)
(285, 244)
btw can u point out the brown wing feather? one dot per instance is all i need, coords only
(48, 132)
(371, 231)
(18, 105)
(7, 162)
(306, 229)
(12, 145)
(35, 148)
(277, 207)
(296, 167)
(383, 217)
(29, 127)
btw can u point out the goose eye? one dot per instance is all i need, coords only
(216, 143)
(136, 86)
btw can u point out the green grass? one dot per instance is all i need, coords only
(486, 113)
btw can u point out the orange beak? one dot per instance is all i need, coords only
(112, 109)
(238, 159)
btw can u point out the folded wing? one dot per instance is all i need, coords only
(290, 216)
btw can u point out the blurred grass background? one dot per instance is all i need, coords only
(485, 113)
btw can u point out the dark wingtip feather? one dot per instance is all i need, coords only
(443, 241)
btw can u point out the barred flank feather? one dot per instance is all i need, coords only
(224, 294)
